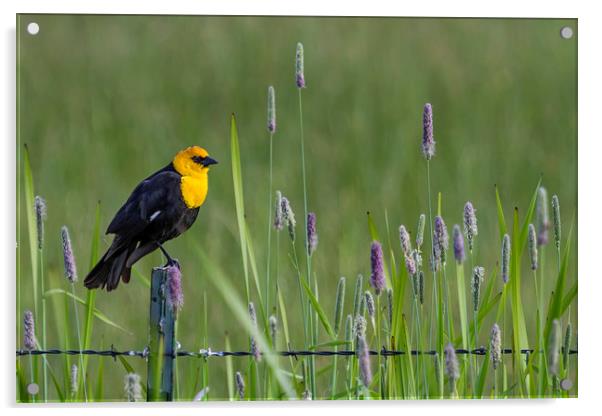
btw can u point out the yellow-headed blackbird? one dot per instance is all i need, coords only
(160, 208)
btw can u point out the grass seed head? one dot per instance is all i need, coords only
(349, 330)
(175, 295)
(69, 258)
(428, 141)
(254, 347)
(279, 220)
(312, 234)
(271, 110)
(470, 224)
(40, 209)
(289, 217)
(390, 307)
(554, 347)
(357, 294)
(29, 337)
(420, 231)
(273, 322)
(377, 277)
(364, 361)
(478, 273)
(506, 258)
(338, 308)
(404, 240)
(411, 265)
(495, 346)
(440, 241)
(532, 242)
(458, 245)
(543, 220)
(451, 363)
(359, 326)
(240, 385)
(299, 70)
(73, 380)
(132, 388)
(370, 305)
(556, 218)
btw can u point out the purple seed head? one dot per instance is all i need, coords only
(440, 241)
(458, 244)
(359, 326)
(69, 258)
(29, 337)
(495, 346)
(40, 209)
(377, 277)
(175, 295)
(254, 347)
(404, 240)
(132, 388)
(299, 73)
(428, 141)
(451, 362)
(411, 265)
(289, 217)
(532, 242)
(278, 214)
(271, 110)
(364, 361)
(470, 224)
(506, 258)
(542, 217)
(312, 234)
(240, 385)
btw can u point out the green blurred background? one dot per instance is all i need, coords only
(106, 100)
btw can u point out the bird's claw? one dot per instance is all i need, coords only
(172, 262)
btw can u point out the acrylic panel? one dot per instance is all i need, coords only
(282, 208)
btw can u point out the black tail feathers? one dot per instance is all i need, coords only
(109, 270)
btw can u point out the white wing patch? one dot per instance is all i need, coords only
(155, 215)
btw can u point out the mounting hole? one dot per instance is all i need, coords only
(566, 32)
(566, 384)
(33, 389)
(33, 28)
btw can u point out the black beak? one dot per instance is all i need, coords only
(207, 161)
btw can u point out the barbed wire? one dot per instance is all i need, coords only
(206, 353)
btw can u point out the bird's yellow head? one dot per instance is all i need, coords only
(193, 161)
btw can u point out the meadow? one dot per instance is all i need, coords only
(106, 100)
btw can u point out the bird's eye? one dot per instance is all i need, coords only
(198, 159)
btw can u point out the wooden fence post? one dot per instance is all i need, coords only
(162, 340)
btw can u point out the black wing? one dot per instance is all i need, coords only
(154, 194)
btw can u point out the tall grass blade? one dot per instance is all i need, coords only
(239, 199)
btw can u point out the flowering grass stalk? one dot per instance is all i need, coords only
(40, 211)
(271, 127)
(71, 276)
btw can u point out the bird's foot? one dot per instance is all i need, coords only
(172, 262)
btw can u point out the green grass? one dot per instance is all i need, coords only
(502, 115)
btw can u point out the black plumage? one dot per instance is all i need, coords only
(154, 213)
